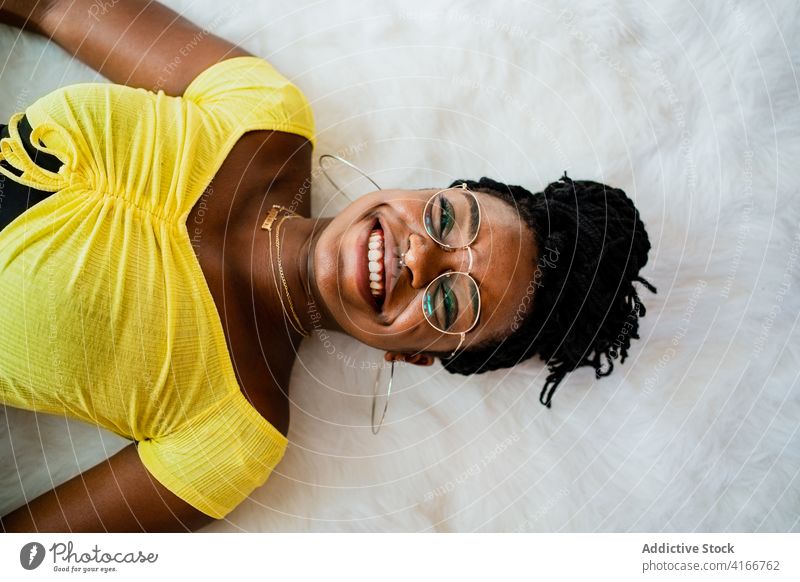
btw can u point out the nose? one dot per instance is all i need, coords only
(426, 260)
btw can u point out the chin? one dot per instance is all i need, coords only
(338, 296)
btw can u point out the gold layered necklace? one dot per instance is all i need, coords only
(267, 225)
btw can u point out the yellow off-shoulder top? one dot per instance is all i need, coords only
(105, 314)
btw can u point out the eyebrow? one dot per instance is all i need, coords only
(474, 217)
(474, 220)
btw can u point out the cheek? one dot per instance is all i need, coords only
(411, 328)
(410, 319)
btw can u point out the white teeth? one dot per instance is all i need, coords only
(375, 262)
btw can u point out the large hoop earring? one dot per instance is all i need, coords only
(375, 429)
(343, 161)
(375, 397)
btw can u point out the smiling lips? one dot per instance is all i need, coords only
(375, 256)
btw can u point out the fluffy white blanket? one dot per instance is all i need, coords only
(691, 107)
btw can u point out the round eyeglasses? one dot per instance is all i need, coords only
(451, 303)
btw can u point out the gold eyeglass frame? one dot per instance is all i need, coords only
(450, 248)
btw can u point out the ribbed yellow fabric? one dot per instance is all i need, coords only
(104, 310)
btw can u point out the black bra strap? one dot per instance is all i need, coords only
(41, 159)
(14, 197)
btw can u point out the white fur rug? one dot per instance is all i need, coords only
(692, 108)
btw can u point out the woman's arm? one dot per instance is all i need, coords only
(118, 495)
(23, 13)
(139, 43)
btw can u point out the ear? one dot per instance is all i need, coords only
(418, 359)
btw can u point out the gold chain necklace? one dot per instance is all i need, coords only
(267, 225)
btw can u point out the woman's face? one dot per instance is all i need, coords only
(504, 256)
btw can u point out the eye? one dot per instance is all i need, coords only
(439, 217)
(446, 216)
(447, 304)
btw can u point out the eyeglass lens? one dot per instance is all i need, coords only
(452, 217)
(451, 303)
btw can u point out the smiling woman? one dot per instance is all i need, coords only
(185, 345)
(501, 254)
(553, 275)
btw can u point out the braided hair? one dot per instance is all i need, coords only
(591, 245)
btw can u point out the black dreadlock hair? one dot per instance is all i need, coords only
(584, 303)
